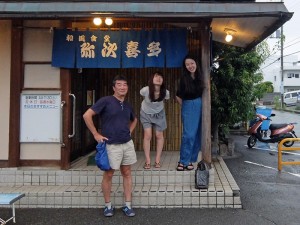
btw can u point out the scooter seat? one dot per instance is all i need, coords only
(277, 126)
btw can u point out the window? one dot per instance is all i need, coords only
(274, 78)
(296, 75)
(294, 94)
(290, 75)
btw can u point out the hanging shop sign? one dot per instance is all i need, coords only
(119, 49)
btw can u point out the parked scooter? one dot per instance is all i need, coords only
(278, 132)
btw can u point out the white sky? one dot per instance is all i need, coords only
(291, 29)
(291, 46)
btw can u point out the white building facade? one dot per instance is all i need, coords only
(288, 78)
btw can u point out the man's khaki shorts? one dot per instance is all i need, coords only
(121, 154)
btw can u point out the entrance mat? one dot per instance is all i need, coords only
(91, 161)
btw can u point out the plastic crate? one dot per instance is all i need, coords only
(266, 112)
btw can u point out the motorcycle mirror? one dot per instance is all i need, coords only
(273, 114)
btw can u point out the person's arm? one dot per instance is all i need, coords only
(88, 119)
(143, 91)
(179, 100)
(167, 95)
(132, 125)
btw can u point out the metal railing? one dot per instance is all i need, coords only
(281, 148)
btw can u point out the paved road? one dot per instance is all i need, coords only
(272, 148)
(265, 191)
(287, 117)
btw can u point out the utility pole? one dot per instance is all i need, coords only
(281, 66)
(281, 62)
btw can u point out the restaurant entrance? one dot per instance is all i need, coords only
(86, 84)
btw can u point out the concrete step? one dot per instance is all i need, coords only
(78, 188)
(163, 196)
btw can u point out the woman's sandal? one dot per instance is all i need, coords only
(147, 166)
(189, 167)
(157, 165)
(180, 167)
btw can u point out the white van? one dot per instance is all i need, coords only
(290, 98)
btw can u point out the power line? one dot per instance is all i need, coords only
(279, 59)
(292, 53)
(291, 45)
(293, 39)
(273, 53)
(273, 56)
(271, 63)
(283, 48)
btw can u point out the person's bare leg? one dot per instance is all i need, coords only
(106, 184)
(146, 144)
(200, 157)
(127, 181)
(159, 145)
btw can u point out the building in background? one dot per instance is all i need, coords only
(271, 70)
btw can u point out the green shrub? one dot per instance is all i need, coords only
(277, 102)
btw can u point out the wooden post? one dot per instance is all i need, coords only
(16, 85)
(206, 98)
(65, 83)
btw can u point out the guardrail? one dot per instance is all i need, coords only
(281, 148)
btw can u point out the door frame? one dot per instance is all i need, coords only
(66, 87)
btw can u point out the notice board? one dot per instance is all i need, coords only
(40, 117)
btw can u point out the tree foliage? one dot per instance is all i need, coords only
(233, 83)
(262, 88)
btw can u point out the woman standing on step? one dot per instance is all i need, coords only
(152, 114)
(188, 95)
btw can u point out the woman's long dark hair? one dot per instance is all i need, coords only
(186, 79)
(162, 92)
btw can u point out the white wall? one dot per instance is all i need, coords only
(38, 49)
(5, 59)
(41, 76)
(292, 83)
(271, 72)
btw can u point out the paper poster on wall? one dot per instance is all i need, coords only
(90, 97)
(40, 117)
